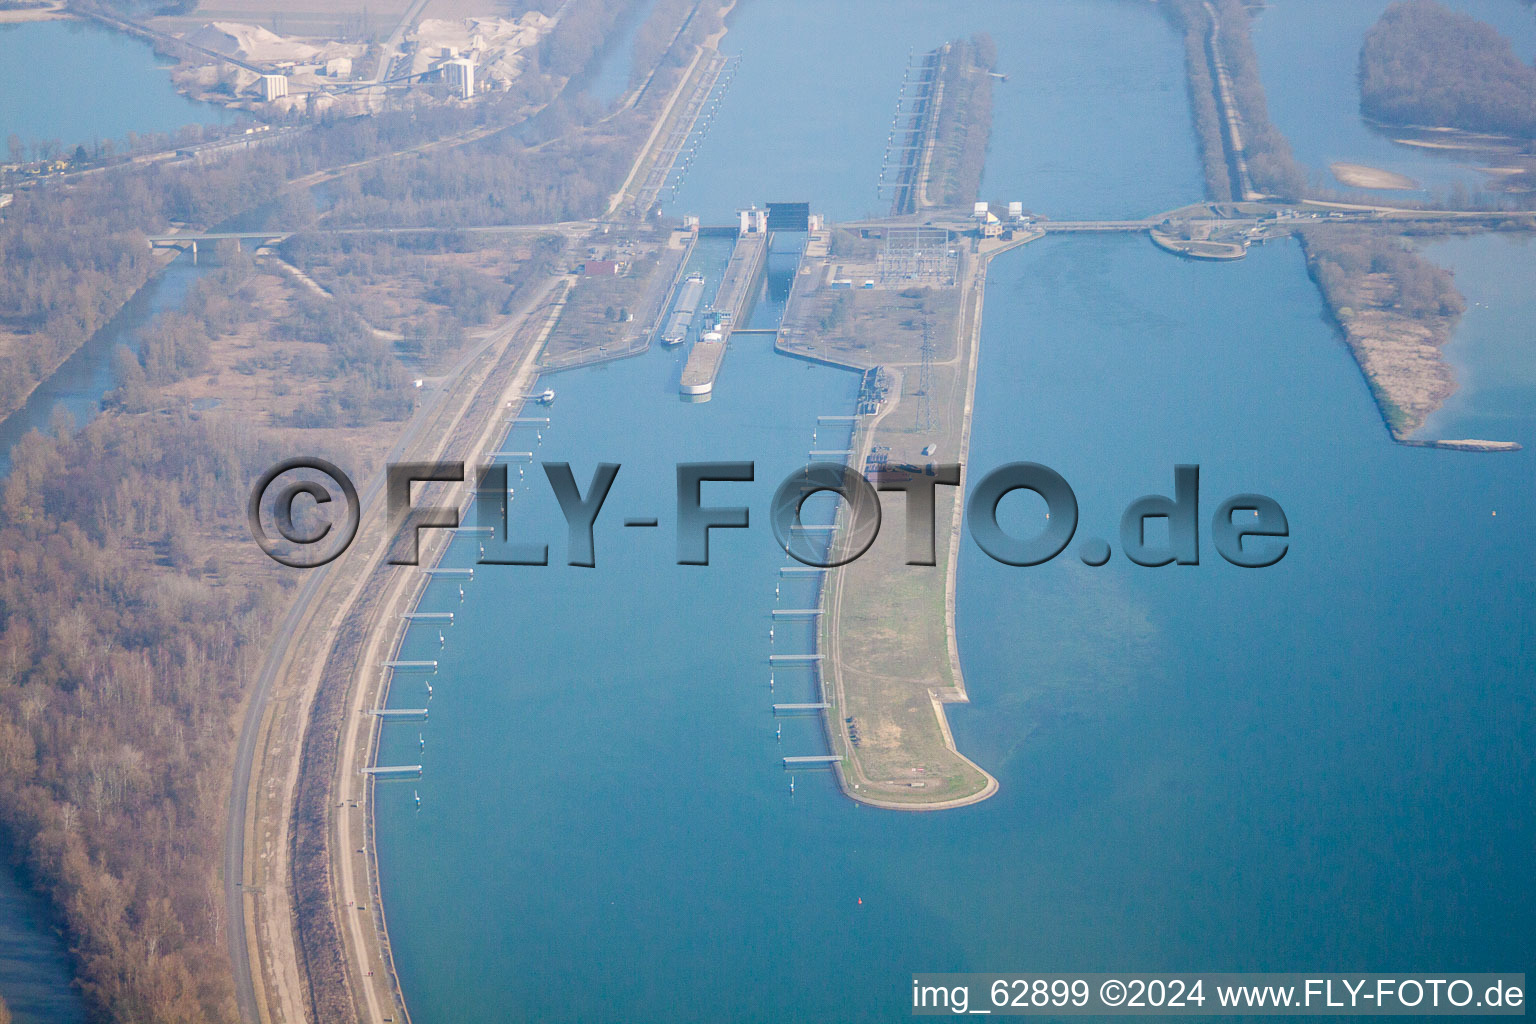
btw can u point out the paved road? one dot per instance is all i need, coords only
(245, 751)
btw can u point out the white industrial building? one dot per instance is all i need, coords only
(753, 220)
(274, 87)
(460, 75)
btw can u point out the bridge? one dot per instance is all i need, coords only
(1058, 226)
(280, 235)
(1249, 215)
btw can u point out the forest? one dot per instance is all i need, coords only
(1270, 163)
(1396, 309)
(133, 609)
(124, 646)
(964, 122)
(1424, 64)
(1344, 259)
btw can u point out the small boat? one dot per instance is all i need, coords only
(791, 785)
(547, 397)
(418, 799)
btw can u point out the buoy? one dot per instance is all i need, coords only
(861, 901)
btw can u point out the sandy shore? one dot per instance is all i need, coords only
(16, 15)
(1362, 176)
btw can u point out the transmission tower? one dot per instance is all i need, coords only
(925, 422)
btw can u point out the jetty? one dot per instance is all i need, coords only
(400, 713)
(813, 760)
(799, 709)
(388, 771)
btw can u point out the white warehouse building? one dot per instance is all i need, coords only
(274, 87)
(460, 75)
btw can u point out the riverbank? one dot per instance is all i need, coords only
(312, 957)
(1245, 156)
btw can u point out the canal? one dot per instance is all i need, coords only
(1200, 766)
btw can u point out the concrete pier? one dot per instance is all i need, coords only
(794, 659)
(814, 760)
(449, 572)
(795, 709)
(430, 666)
(796, 613)
(400, 713)
(392, 770)
(438, 616)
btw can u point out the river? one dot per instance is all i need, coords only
(35, 968)
(1320, 764)
(1309, 54)
(100, 85)
(76, 388)
(608, 78)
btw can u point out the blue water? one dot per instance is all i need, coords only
(76, 388)
(35, 969)
(1490, 351)
(1316, 763)
(1061, 122)
(1309, 54)
(616, 63)
(75, 82)
(35, 974)
(1323, 765)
